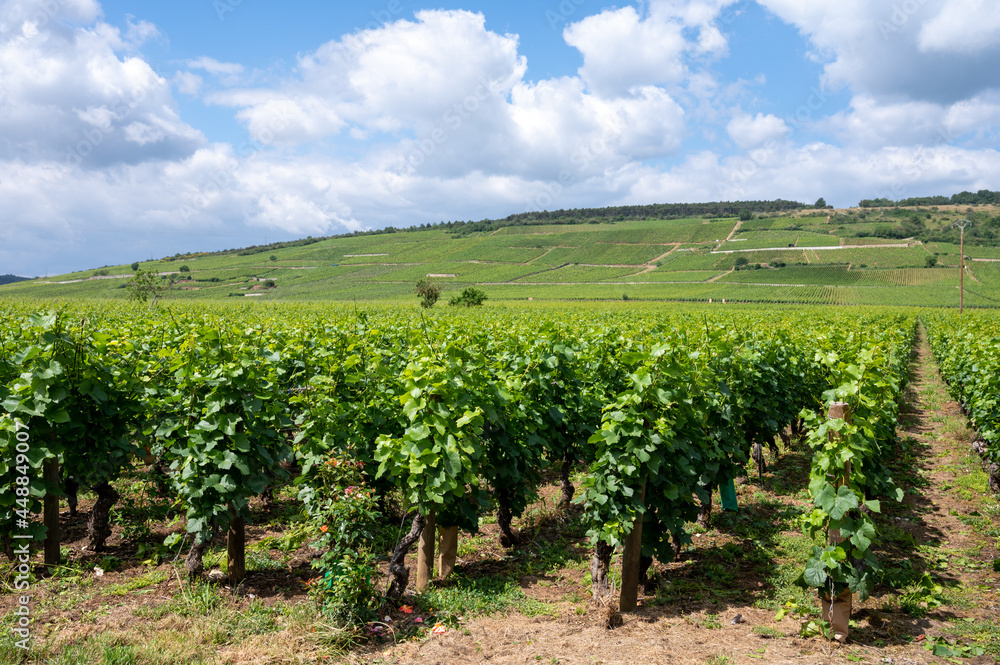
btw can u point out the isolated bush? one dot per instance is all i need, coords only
(344, 516)
(428, 292)
(269, 284)
(184, 269)
(470, 297)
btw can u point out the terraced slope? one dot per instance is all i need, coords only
(808, 256)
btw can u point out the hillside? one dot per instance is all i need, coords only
(850, 256)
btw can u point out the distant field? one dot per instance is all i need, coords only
(842, 276)
(647, 259)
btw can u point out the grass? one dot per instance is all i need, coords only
(467, 597)
(147, 579)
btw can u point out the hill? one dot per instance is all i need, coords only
(10, 279)
(895, 255)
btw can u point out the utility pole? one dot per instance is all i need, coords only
(961, 224)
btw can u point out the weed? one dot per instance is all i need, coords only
(766, 631)
(488, 595)
(145, 580)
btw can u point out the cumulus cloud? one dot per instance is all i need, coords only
(622, 49)
(397, 77)
(747, 131)
(434, 118)
(913, 50)
(843, 176)
(454, 96)
(967, 27)
(69, 96)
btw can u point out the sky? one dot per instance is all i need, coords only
(135, 130)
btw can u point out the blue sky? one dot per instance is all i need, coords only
(130, 130)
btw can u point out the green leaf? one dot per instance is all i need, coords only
(815, 573)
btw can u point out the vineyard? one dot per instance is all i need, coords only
(813, 257)
(382, 426)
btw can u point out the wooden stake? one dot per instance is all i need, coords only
(630, 561)
(425, 552)
(50, 512)
(236, 550)
(838, 610)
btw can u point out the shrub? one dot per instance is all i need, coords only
(344, 516)
(269, 284)
(470, 297)
(428, 292)
(184, 269)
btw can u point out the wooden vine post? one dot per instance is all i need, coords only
(837, 610)
(425, 552)
(50, 512)
(630, 561)
(236, 550)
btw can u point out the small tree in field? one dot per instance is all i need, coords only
(145, 286)
(428, 292)
(470, 297)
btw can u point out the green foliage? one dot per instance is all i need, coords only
(344, 517)
(470, 297)
(69, 394)
(217, 419)
(184, 268)
(145, 286)
(968, 351)
(429, 293)
(444, 395)
(849, 458)
(931, 261)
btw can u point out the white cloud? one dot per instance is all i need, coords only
(621, 50)
(434, 118)
(187, 83)
(843, 176)
(399, 77)
(69, 97)
(213, 66)
(453, 95)
(969, 26)
(869, 122)
(899, 50)
(747, 131)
